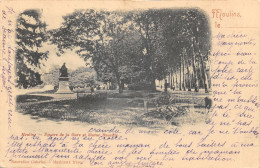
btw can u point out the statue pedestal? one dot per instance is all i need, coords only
(64, 86)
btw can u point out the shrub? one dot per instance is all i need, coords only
(163, 99)
(93, 97)
(167, 108)
(139, 86)
(168, 112)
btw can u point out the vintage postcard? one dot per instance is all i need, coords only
(129, 84)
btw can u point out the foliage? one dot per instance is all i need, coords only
(167, 107)
(164, 99)
(124, 47)
(82, 77)
(31, 98)
(188, 40)
(51, 78)
(154, 60)
(31, 33)
(100, 36)
(141, 85)
(93, 97)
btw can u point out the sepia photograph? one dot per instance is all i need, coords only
(147, 68)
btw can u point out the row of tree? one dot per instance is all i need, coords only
(139, 46)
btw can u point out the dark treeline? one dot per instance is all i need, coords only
(30, 34)
(139, 47)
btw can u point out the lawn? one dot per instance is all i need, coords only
(31, 98)
(132, 108)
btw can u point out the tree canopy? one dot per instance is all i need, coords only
(146, 45)
(30, 34)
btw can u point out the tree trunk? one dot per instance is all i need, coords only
(173, 85)
(188, 72)
(183, 72)
(194, 69)
(202, 67)
(204, 75)
(153, 85)
(120, 89)
(201, 81)
(180, 79)
(123, 85)
(170, 79)
(187, 63)
(176, 79)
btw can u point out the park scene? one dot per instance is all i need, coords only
(141, 68)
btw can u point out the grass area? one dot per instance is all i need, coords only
(132, 108)
(31, 98)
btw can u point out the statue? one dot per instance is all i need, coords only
(64, 81)
(64, 71)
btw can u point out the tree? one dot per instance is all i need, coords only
(150, 27)
(31, 33)
(103, 37)
(82, 77)
(190, 33)
(141, 45)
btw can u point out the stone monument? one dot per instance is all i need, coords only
(64, 81)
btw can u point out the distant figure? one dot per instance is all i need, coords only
(165, 86)
(208, 103)
(92, 89)
(64, 71)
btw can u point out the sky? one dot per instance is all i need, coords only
(72, 60)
